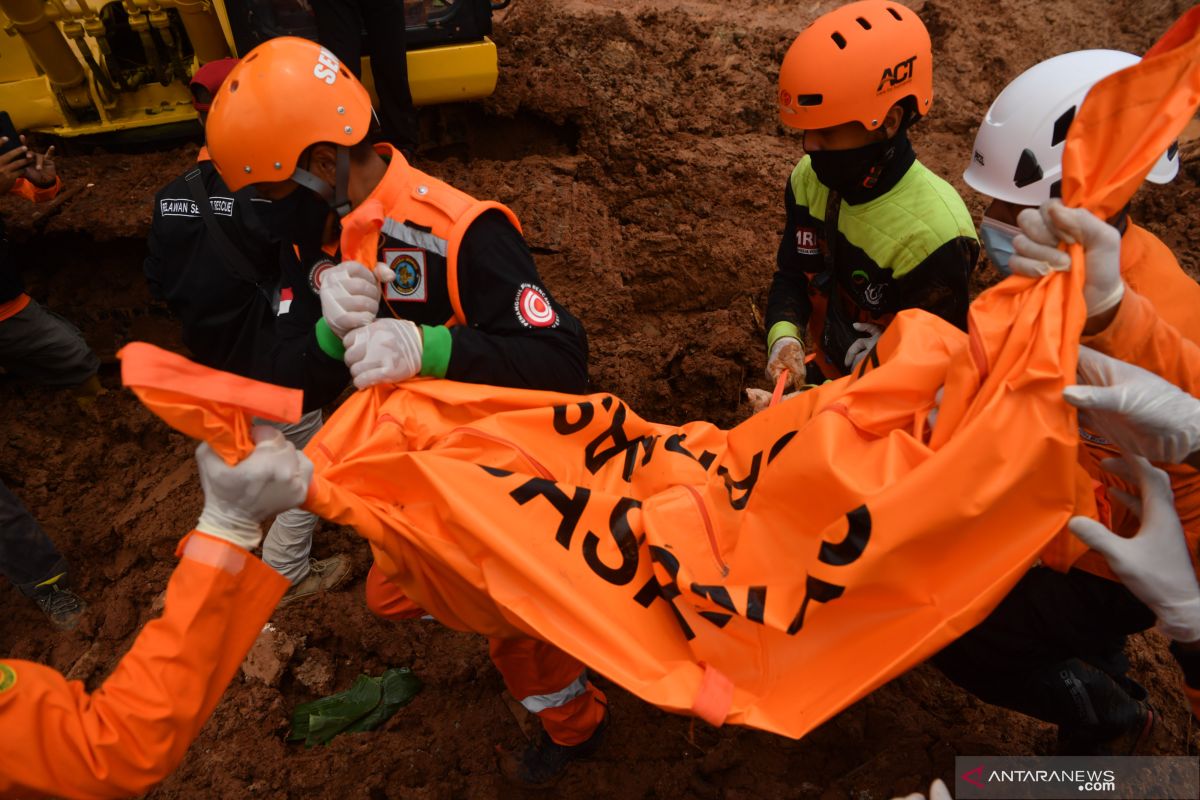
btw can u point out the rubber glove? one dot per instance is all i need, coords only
(272, 479)
(385, 351)
(863, 344)
(1135, 409)
(1037, 253)
(787, 353)
(350, 295)
(937, 791)
(1154, 564)
(760, 399)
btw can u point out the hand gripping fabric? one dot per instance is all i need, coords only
(170, 385)
(768, 575)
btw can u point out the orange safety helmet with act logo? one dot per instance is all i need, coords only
(853, 64)
(286, 95)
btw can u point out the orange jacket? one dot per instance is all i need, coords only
(13, 299)
(23, 187)
(1157, 327)
(408, 203)
(131, 732)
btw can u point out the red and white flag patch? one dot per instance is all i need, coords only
(533, 308)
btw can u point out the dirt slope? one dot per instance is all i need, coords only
(637, 141)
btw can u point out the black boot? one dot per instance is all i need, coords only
(544, 761)
(1097, 714)
(59, 603)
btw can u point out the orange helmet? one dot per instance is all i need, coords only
(855, 63)
(286, 95)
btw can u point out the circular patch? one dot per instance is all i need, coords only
(408, 275)
(534, 309)
(318, 269)
(785, 99)
(8, 677)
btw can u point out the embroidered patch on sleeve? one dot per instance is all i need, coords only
(533, 308)
(8, 677)
(409, 266)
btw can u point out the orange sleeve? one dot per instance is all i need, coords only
(134, 730)
(1140, 336)
(33, 193)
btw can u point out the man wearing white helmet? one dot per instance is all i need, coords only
(1054, 647)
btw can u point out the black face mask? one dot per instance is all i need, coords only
(299, 219)
(850, 171)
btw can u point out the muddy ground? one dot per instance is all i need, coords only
(637, 140)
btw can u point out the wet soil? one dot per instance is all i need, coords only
(638, 143)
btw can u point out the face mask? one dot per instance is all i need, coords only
(847, 171)
(299, 219)
(997, 242)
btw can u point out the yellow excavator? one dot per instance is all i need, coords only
(85, 67)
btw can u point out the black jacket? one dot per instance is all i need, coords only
(261, 329)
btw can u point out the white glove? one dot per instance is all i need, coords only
(385, 351)
(1037, 252)
(937, 791)
(1154, 564)
(1135, 409)
(787, 353)
(863, 344)
(272, 479)
(760, 399)
(350, 295)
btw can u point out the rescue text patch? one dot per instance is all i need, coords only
(186, 207)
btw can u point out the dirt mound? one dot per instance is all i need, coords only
(637, 141)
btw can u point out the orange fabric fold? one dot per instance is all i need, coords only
(171, 384)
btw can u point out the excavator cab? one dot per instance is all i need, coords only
(85, 67)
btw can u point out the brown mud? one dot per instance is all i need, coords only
(638, 143)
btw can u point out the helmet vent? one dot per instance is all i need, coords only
(1061, 125)
(839, 40)
(251, 57)
(895, 14)
(810, 100)
(1028, 170)
(233, 87)
(866, 26)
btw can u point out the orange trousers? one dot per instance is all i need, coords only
(547, 681)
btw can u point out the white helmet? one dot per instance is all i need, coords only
(1018, 150)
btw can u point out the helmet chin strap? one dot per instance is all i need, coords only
(337, 198)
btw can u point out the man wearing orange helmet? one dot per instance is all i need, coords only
(870, 230)
(246, 305)
(462, 299)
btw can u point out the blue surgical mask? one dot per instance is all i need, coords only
(997, 242)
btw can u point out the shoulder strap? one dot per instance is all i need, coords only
(234, 258)
(833, 208)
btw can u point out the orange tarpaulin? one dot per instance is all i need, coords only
(771, 574)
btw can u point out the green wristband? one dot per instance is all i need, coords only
(435, 350)
(779, 330)
(328, 341)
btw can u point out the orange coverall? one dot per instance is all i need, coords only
(546, 681)
(133, 731)
(1157, 327)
